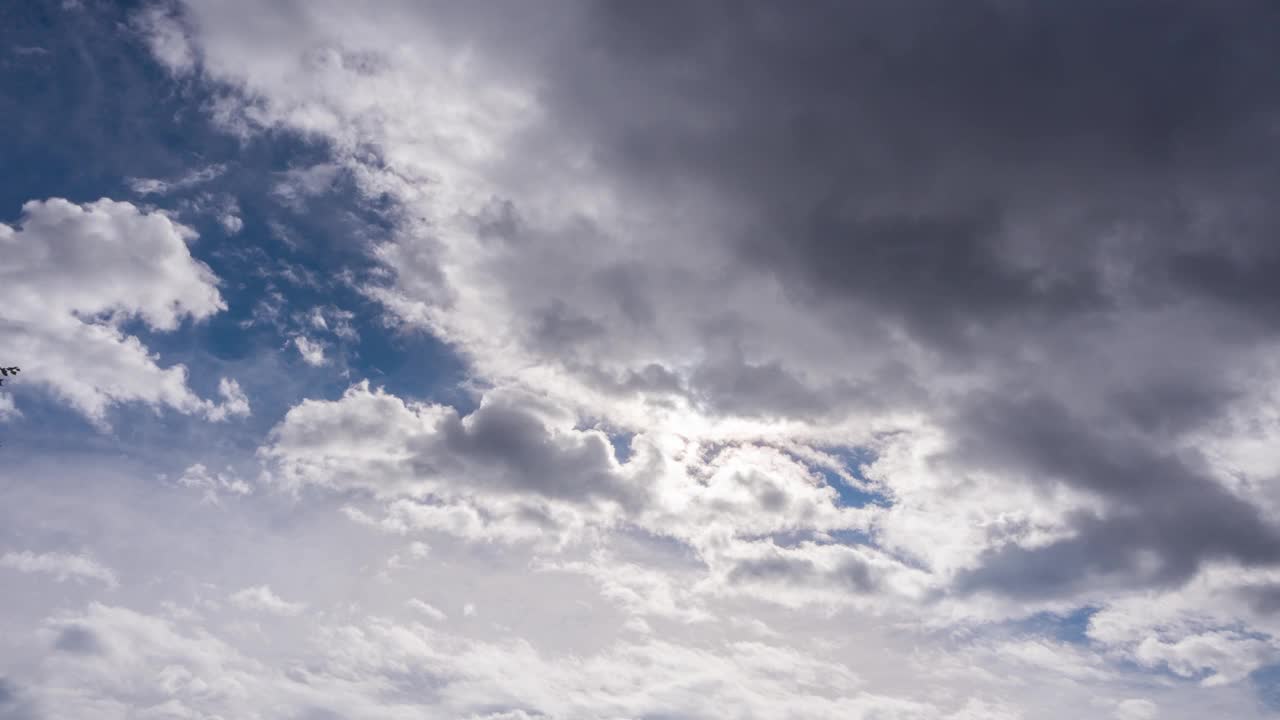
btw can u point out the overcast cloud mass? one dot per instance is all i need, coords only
(878, 359)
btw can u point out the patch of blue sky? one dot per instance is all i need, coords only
(86, 107)
(1266, 684)
(851, 537)
(90, 113)
(621, 442)
(1069, 627)
(852, 494)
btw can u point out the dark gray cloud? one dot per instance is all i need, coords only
(13, 706)
(1159, 502)
(1263, 598)
(517, 444)
(998, 181)
(851, 573)
(78, 640)
(891, 151)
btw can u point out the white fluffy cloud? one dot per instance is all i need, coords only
(74, 275)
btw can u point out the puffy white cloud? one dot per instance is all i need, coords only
(510, 446)
(519, 469)
(74, 275)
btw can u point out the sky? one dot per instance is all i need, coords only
(555, 359)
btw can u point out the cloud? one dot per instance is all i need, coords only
(74, 276)
(164, 32)
(312, 352)
(1137, 709)
(518, 469)
(8, 408)
(231, 223)
(234, 402)
(13, 703)
(426, 609)
(384, 669)
(298, 184)
(62, 566)
(77, 639)
(509, 445)
(141, 662)
(214, 485)
(1016, 257)
(262, 599)
(856, 269)
(151, 186)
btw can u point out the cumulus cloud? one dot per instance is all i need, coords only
(74, 275)
(519, 468)
(510, 445)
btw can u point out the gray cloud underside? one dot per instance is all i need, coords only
(1060, 209)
